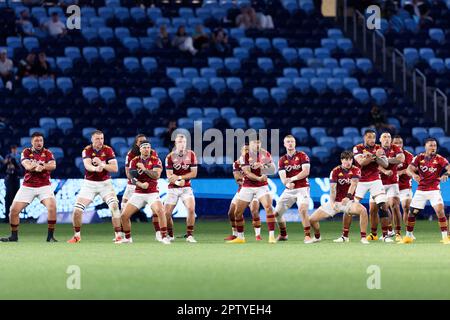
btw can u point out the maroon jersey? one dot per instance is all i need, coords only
(343, 178)
(105, 154)
(293, 166)
(149, 163)
(250, 159)
(404, 180)
(392, 152)
(369, 172)
(37, 179)
(429, 170)
(181, 164)
(237, 168)
(131, 155)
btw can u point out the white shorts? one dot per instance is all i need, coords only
(375, 188)
(339, 208)
(405, 194)
(421, 197)
(176, 193)
(247, 194)
(392, 191)
(291, 196)
(90, 189)
(140, 200)
(129, 190)
(236, 197)
(27, 194)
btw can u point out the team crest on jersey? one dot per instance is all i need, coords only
(296, 158)
(434, 162)
(103, 155)
(93, 154)
(423, 161)
(286, 162)
(340, 174)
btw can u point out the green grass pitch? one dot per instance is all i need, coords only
(212, 269)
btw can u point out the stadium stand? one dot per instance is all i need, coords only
(303, 77)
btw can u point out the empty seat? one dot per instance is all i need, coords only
(379, 95)
(65, 124)
(289, 54)
(47, 123)
(420, 133)
(173, 73)
(216, 63)
(300, 133)
(279, 43)
(361, 95)
(256, 123)
(317, 132)
(350, 132)
(194, 113)
(107, 54)
(134, 104)
(228, 112)
(64, 84)
(90, 54)
(118, 142)
(58, 153)
(107, 94)
(150, 103)
(241, 53)
(364, 64)
(322, 153)
(263, 44)
(176, 94)
(232, 64)
(234, 84)
(345, 143)
(217, 84)
(262, 94)
(328, 142)
(190, 72)
(279, 94)
(201, 84)
(265, 64)
(87, 132)
(436, 132)
(30, 84)
(237, 123)
(208, 73)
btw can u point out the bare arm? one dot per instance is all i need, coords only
(282, 174)
(363, 160)
(398, 159)
(154, 173)
(333, 189)
(382, 161)
(383, 170)
(238, 177)
(412, 172)
(89, 166)
(251, 175)
(269, 168)
(50, 166)
(190, 175)
(29, 165)
(353, 185)
(306, 168)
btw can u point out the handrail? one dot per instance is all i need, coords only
(444, 96)
(357, 14)
(416, 73)
(394, 65)
(374, 47)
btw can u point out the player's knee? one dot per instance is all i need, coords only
(382, 209)
(414, 211)
(79, 207)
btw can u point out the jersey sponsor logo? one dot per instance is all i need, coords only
(178, 166)
(429, 169)
(293, 167)
(344, 181)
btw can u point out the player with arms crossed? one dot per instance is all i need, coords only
(133, 153)
(293, 169)
(254, 205)
(99, 160)
(404, 179)
(181, 167)
(38, 163)
(426, 169)
(343, 182)
(389, 177)
(146, 170)
(255, 164)
(368, 157)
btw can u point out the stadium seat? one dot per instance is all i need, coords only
(134, 104)
(361, 95)
(444, 142)
(87, 132)
(419, 149)
(289, 54)
(90, 54)
(176, 94)
(437, 64)
(330, 63)
(345, 143)
(217, 84)
(232, 64)
(351, 83)
(300, 133)
(30, 84)
(47, 84)
(364, 65)
(328, 43)
(279, 43)
(345, 45)
(420, 133)
(290, 73)
(215, 63)
(348, 63)
(65, 124)
(235, 84)
(58, 153)
(158, 93)
(265, 64)
(186, 123)
(25, 141)
(107, 54)
(90, 94)
(208, 73)
(436, 34)
(350, 132)
(284, 82)
(194, 113)
(322, 53)
(328, 142)
(201, 84)
(307, 73)
(107, 94)
(318, 84)
(47, 123)
(263, 44)
(426, 53)
(212, 113)
(379, 95)
(150, 103)
(246, 43)
(411, 56)
(335, 33)
(237, 123)
(241, 53)
(279, 94)
(118, 142)
(335, 84)
(436, 132)
(305, 53)
(64, 84)
(322, 153)
(302, 84)
(317, 133)
(256, 123)
(262, 94)
(190, 73)
(30, 43)
(228, 113)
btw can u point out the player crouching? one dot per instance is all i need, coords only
(146, 170)
(343, 182)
